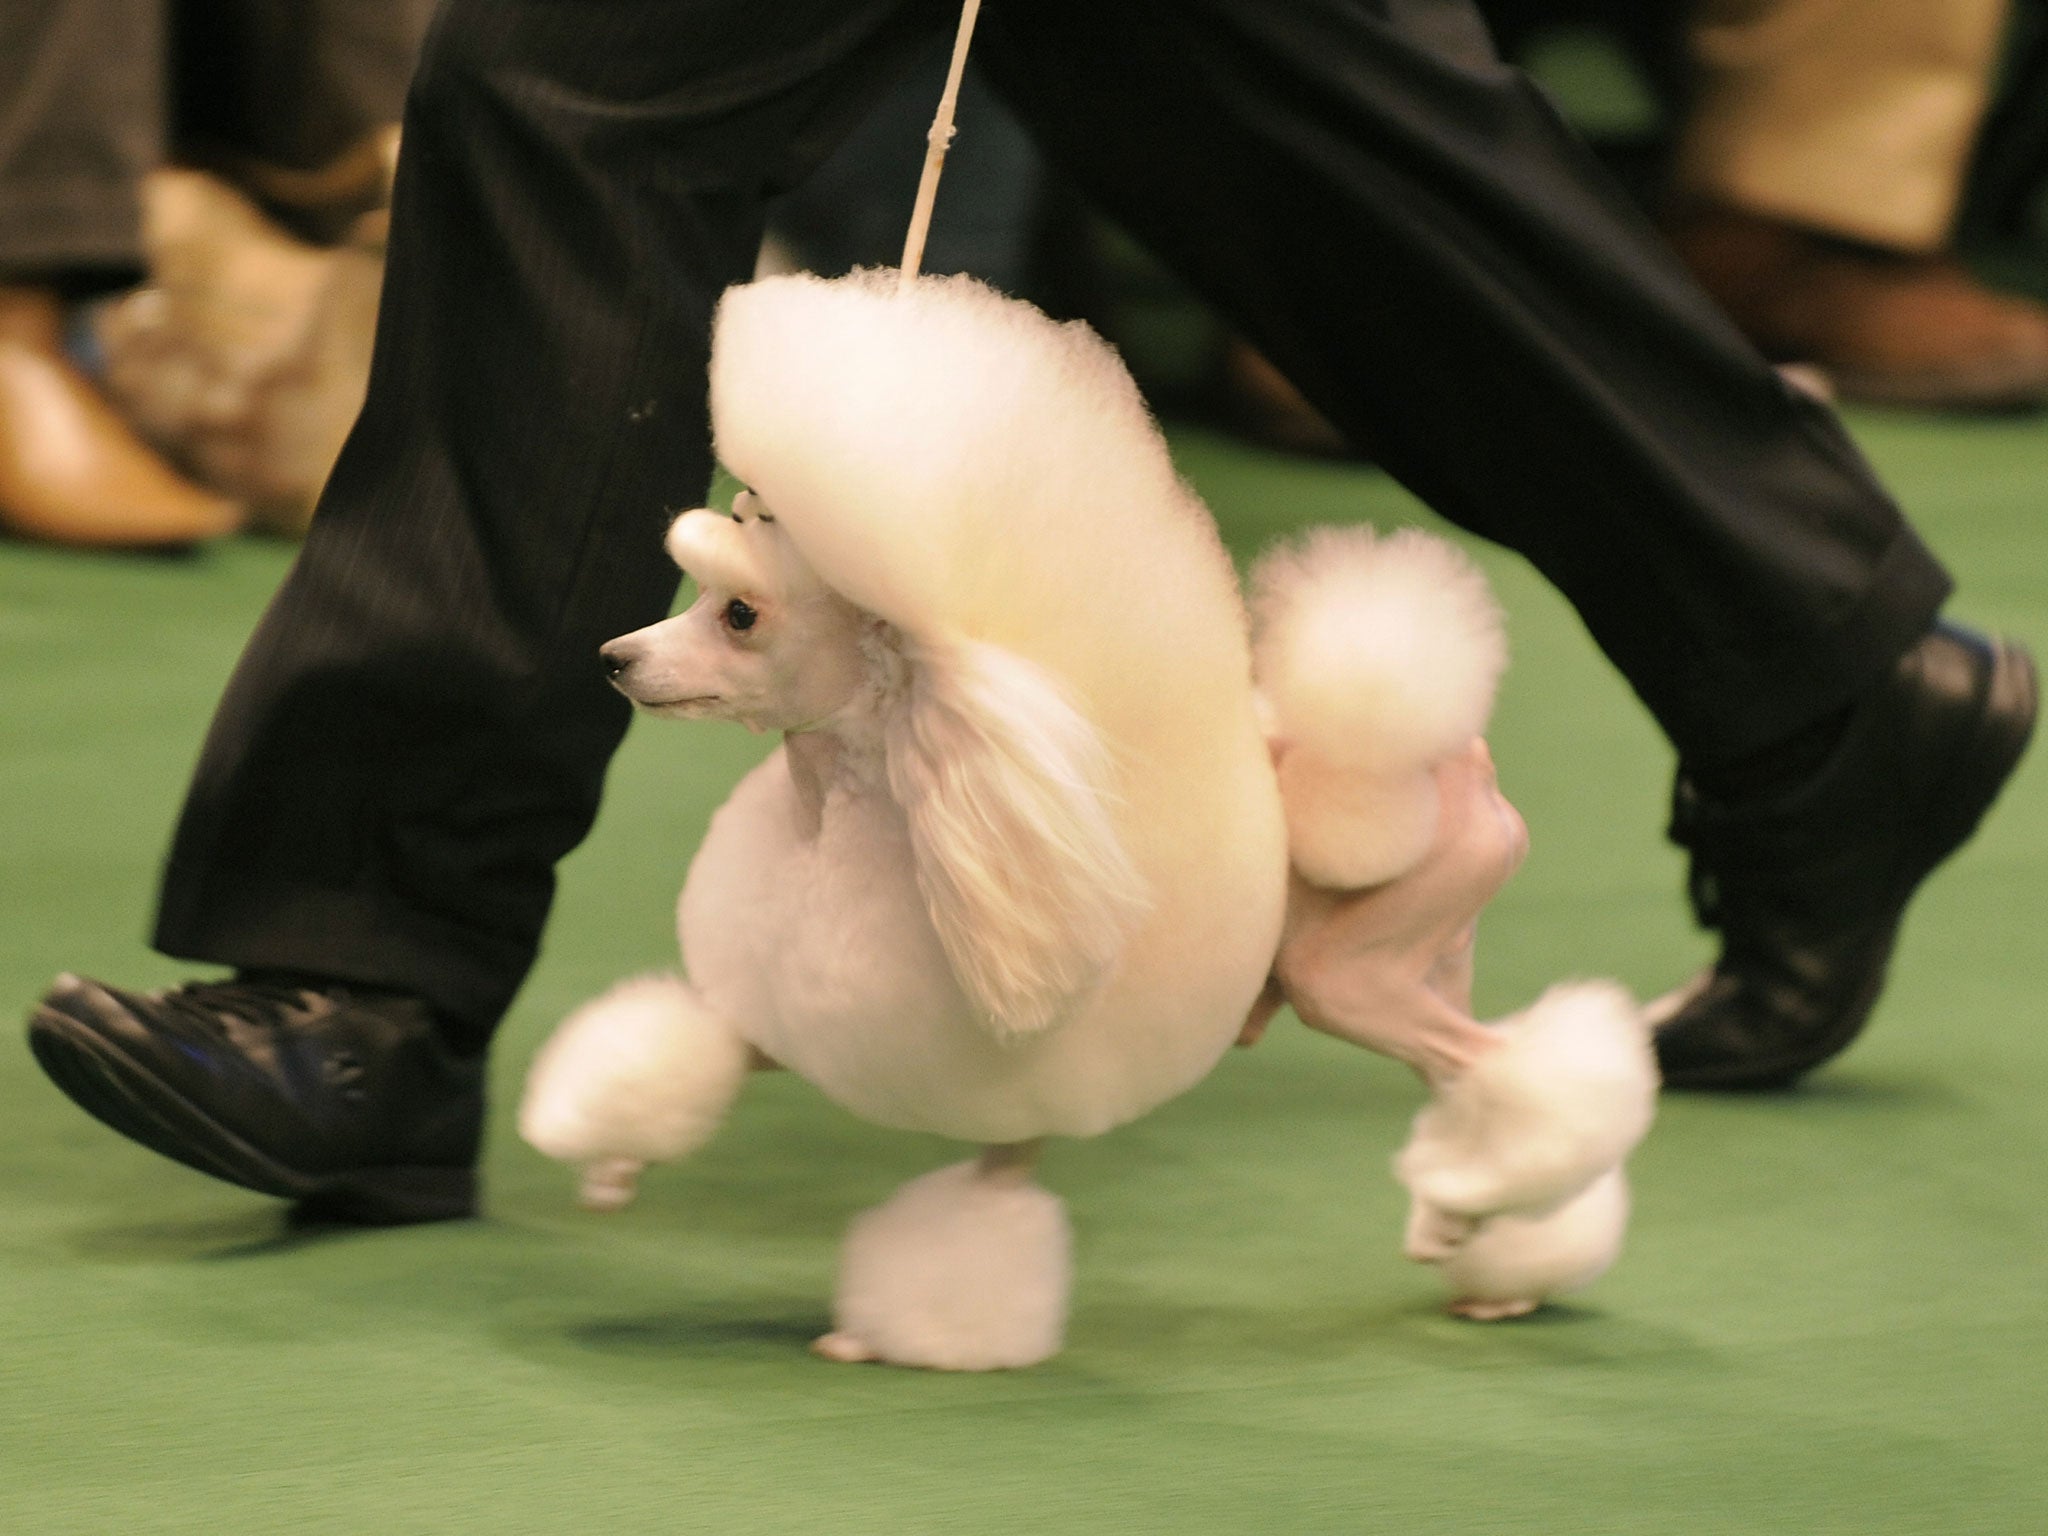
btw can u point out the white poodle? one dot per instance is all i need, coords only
(1021, 867)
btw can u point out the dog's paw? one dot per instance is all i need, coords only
(610, 1183)
(842, 1349)
(1513, 1263)
(1434, 1234)
(1475, 1311)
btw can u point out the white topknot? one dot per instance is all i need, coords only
(1379, 654)
(959, 464)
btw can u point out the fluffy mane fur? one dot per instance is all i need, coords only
(1005, 787)
(990, 484)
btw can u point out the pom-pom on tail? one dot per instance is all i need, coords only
(1381, 653)
(1375, 659)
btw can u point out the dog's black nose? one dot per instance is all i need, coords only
(616, 657)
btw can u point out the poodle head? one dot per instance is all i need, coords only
(765, 642)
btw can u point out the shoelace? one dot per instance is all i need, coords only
(267, 1003)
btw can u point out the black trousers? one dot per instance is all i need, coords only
(418, 731)
(95, 93)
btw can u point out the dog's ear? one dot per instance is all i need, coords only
(1006, 788)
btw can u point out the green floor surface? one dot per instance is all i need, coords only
(1831, 1317)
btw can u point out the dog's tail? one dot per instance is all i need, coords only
(1375, 660)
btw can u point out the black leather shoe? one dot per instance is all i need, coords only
(342, 1098)
(1807, 889)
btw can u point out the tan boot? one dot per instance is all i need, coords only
(71, 470)
(248, 350)
(1886, 326)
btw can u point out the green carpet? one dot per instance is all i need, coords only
(1831, 1317)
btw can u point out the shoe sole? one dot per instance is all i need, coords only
(104, 1081)
(1985, 392)
(1994, 751)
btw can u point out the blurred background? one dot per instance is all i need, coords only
(1831, 1317)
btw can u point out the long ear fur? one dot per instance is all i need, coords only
(1006, 788)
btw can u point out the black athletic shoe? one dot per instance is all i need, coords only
(339, 1097)
(1807, 889)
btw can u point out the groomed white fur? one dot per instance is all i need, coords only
(1005, 785)
(1375, 658)
(956, 463)
(991, 485)
(701, 541)
(1018, 868)
(1565, 1098)
(960, 1270)
(1514, 1262)
(1514, 1167)
(1073, 788)
(642, 1074)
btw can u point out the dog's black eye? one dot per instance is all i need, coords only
(739, 614)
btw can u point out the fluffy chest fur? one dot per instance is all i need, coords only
(802, 922)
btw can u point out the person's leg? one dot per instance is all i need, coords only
(81, 118)
(578, 186)
(1402, 224)
(81, 121)
(293, 100)
(1815, 190)
(419, 728)
(1854, 116)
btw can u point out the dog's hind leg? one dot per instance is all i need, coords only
(643, 1074)
(1516, 1261)
(1389, 967)
(964, 1269)
(1514, 1169)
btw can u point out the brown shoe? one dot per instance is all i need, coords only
(1887, 326)
(71, 470)
(1260, 404)
(247, 352)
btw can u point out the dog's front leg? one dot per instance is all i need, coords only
(964, 1269)
(644, 1074)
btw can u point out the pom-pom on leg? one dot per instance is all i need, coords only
(1515, 1262)
(964, 1269)
(1566, 1096)
(1514, 1167)
(643, 1074)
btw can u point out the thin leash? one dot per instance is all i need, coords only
(937, 141)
